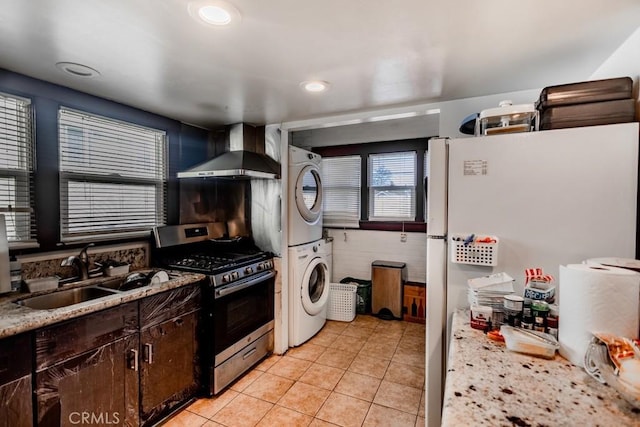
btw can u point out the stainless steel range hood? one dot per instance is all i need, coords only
(245, 158)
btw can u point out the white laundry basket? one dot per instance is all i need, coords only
(342, 302)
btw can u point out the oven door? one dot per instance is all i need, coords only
(241, 308)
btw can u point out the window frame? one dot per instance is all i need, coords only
(420, 145)
(68, 177)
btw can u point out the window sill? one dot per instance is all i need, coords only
(408, 227)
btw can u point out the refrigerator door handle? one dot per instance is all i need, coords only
(426, 189)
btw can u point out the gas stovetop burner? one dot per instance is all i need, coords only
(223, 268)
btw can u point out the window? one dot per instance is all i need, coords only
(112, 177)
(384, 181)
(341, 190)
(16, 169)
(392, 186)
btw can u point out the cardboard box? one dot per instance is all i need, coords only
(414, 303)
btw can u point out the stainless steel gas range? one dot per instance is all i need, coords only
(239, 299)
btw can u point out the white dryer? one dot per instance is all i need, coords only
(305, 197)
(308, 290)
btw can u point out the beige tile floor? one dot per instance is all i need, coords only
(368, 372)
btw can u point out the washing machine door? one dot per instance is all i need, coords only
(315, 286)
(309, 193)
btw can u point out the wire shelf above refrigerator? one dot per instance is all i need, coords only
(474, 249)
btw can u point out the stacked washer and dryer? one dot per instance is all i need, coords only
(309, 254)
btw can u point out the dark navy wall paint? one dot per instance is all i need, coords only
(187, 144)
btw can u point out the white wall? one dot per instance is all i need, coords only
(352, 256)
(625, 61)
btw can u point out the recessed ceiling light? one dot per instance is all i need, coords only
(315, 85)
(77, 70)
(214, 12)
(214, 15)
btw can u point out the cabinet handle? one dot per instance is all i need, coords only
(249, 353)
(179, 321)
(148, 353)
(133, 361)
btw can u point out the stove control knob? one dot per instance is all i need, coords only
(234, 275)
(225, 278)
(248, 270)
(260, 267)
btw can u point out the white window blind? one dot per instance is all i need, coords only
(392, 181)
(341, 191)
(112, 177)
(16, 170)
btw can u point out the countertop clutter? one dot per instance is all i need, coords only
(15, 318)
(489, 385)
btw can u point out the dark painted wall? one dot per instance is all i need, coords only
(187, 144)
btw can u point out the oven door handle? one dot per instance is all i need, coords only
(228, 290)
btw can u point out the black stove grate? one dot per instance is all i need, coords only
(213, 263)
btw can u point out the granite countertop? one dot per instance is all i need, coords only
(489, 385)
(15, 318)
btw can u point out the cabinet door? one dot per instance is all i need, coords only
(99, 387)
(170, 369)
(16, 409)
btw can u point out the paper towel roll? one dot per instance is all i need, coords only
(595, 299)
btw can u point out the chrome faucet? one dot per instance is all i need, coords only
(80, 262)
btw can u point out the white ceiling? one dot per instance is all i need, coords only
(152, 55)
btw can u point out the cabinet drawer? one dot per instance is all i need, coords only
(168, 305)
(66, 339)
(15, 357)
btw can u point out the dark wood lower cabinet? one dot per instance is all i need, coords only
(16, 367)
(16, 409)
(129, 365)
(99, 387)
(170, 368)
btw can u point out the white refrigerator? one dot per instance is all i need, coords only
(550, 198)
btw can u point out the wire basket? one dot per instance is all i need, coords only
(342, 302)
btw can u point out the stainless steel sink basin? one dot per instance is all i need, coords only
(65, 298)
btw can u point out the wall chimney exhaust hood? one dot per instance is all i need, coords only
(245, 158)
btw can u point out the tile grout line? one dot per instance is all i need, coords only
(407, 334)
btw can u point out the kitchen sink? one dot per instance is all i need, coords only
(65, 298)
